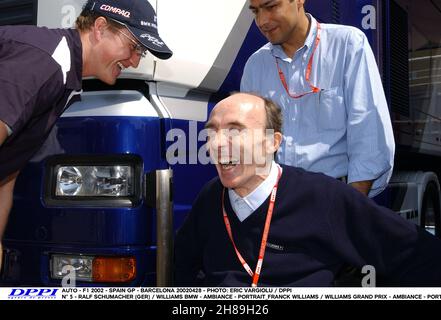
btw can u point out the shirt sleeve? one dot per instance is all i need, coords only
(370, 139)
(23, 71)
(13, 108)
(367, 234)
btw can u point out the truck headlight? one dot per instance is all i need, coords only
(110, 181)
(93, 181)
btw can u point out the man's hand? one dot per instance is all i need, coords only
(363, 186)
(6, 193)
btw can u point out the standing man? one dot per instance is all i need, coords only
(325, 79)
(41, 71)
(264, 224)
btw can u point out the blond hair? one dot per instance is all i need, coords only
(87, 18)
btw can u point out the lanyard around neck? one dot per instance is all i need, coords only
(256, 274)
(314, 89)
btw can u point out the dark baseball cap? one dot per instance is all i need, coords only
(139, 17)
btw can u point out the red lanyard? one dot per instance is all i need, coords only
(256, 274)
(308, 70)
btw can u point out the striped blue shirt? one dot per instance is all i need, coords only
(345, 128)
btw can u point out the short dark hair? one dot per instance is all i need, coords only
(274, 119)
(87, 18)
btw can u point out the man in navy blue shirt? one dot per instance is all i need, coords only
(41, 71)
(264, 224)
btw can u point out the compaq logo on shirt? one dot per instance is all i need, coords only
(115, 10)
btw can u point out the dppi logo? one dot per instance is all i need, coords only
(33, 294)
